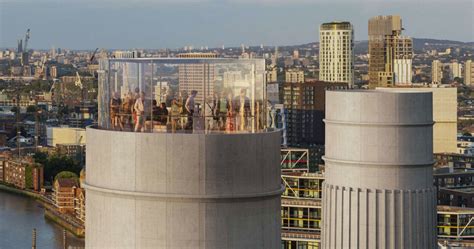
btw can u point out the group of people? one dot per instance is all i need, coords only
(222, 112)
(133, 113)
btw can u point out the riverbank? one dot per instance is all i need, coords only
(20, 214)
(20, 191)
(49, 211)
(52, 215)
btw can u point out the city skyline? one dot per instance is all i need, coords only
(156, 26)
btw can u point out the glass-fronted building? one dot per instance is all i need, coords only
(182, 95)
(182, 155)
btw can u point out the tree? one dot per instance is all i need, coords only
(458, 80)
(66, 175)
(40, 157)
(55, 163)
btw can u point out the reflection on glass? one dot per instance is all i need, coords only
(182, 95)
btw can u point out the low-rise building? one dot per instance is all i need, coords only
(23, 173)
(64, 193)
(294, 76)
(301, 204)
(80, 205)
(75, 151)
(455, 186)
(301, 210)
(456, 224)
(454, 160)
(65, 135)
(2, 165)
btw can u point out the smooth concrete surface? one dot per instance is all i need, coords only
(158, 190)
(445, 104)
(378, 191)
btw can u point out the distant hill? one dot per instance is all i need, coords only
(418, 44)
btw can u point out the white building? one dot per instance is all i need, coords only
(402, 71)
(294, 76)
(65, 135)
(336, 55)
(455, 70)
(126, 54)
(444, 116)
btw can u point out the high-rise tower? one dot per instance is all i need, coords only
(336, 52)
(19, 46)
(173, 185)
(379, 191)
(436, 72)
(469, 73)
(390, 52)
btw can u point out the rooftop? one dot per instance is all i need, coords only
(67, 182)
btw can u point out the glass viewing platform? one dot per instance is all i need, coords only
(182, 95)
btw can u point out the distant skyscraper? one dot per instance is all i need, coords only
(436, 72)
(275, 57)
(336, 52)
(53, 72)
(20, 46)
(469, 72)
(306, 109)
(197, 76)
(53, 52)
(388, 50)
(296, 54)
(455, 70)
(378, 191)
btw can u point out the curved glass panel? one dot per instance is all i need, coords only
(182, 95)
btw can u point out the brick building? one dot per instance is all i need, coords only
(64, 193)
(23, 174)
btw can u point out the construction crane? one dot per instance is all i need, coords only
(78, 81)
(93, 55)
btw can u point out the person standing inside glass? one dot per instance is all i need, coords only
(139, 109)
(223, 105)
(183, 96)
(163, 114)
(242, 109)
(230, 116)
(115, 104)
(189, 106)
(210, 112)
(127, 106)
(174, 112)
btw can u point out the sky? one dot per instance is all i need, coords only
(128, 24)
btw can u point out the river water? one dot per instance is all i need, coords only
(19, 215)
